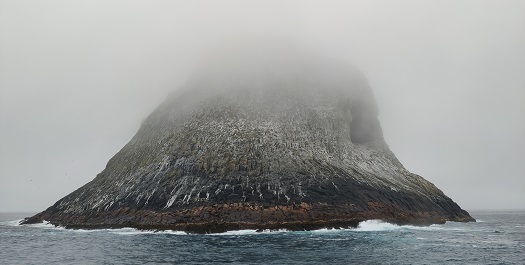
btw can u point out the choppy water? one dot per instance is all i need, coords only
(498, 238)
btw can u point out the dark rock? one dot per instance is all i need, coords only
(295, 144)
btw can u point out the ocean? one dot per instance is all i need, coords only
(497, 238)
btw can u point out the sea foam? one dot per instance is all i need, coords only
(364, 226)
(379, 225)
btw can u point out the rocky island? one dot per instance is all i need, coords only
(264, 140)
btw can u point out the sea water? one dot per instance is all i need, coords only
(497, 238)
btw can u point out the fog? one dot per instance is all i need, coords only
(78, 78)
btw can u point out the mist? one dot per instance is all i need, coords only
(78, 78)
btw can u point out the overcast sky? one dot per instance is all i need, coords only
(78, 77)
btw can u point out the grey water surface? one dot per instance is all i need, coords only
(497, 238)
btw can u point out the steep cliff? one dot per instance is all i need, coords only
(276, 141)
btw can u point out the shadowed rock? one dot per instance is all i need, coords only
(267, 141)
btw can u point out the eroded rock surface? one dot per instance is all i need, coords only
(294, 145)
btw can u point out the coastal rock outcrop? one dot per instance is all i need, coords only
(266, 141)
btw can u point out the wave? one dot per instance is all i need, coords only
(44, 224)
(379, 225)
(119, 231)
(236, 233)
(376, 225)
(134, 231)
(364, 226)
(250, 232)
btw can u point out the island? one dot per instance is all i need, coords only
(258, 139)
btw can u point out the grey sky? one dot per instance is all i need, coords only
(77, 78)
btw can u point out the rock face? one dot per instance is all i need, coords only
(270, 142)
